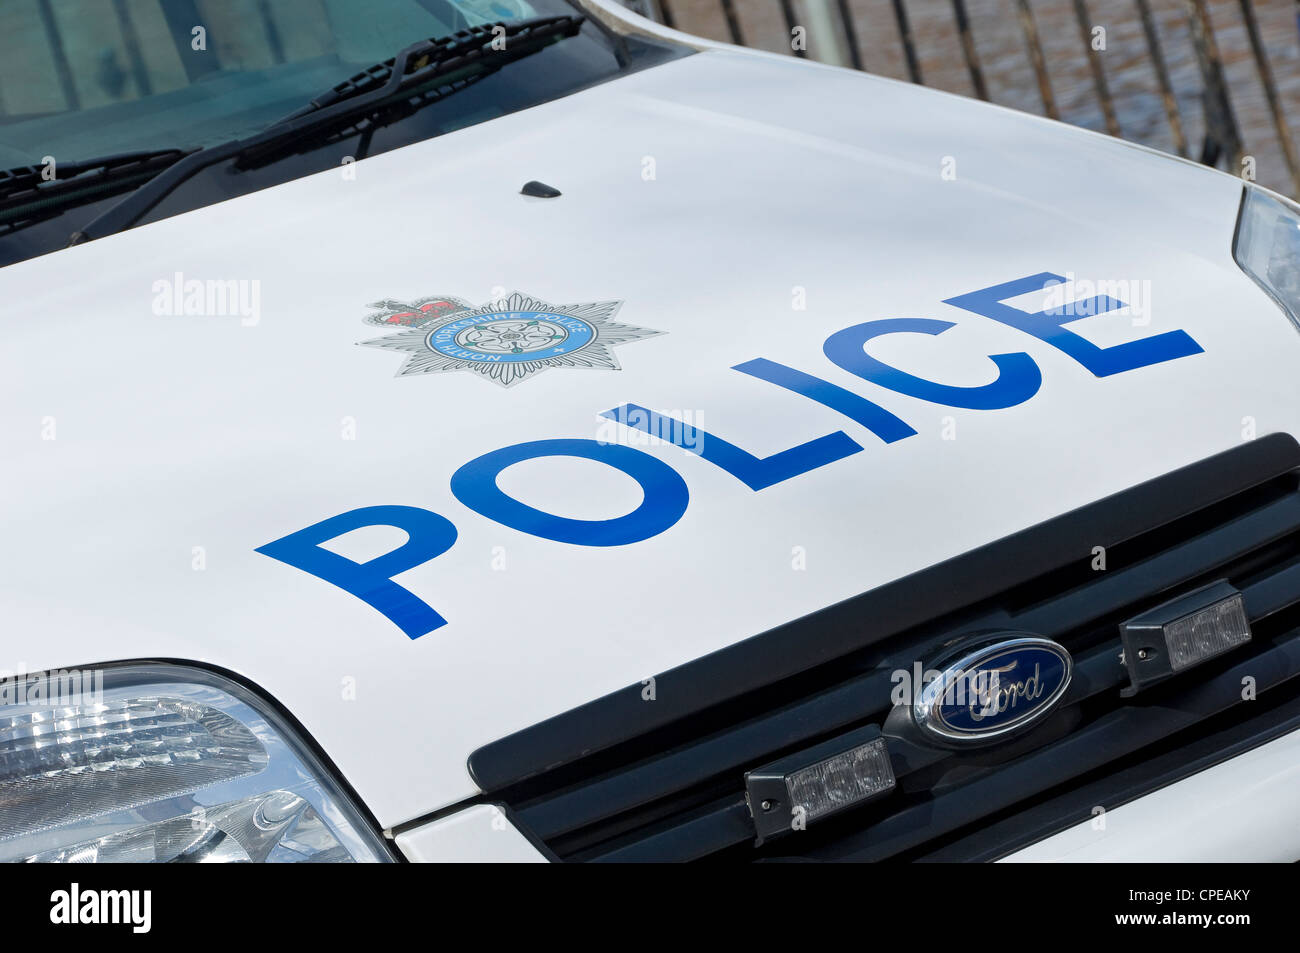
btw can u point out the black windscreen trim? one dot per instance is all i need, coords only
(893, 608)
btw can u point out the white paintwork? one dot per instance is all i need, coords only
(183, 432)
(477, 835)
(1241, 810)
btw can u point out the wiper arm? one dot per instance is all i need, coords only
(471, 51)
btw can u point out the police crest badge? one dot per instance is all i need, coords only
(507, 341)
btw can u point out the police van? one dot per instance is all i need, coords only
(512, 430)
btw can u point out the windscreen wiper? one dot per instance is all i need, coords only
(447, 54)
(477, 50)
(36, 190)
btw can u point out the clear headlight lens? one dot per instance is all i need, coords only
(1267, 247)
(162, 763)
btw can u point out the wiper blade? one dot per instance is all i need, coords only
(28, 182)
(438, 57)
(435, 69)
(479, 49)
(33, 193)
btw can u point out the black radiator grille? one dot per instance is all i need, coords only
(622, 779)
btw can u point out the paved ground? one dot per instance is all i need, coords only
(1009, 73)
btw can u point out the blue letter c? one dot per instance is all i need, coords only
(1017, 381)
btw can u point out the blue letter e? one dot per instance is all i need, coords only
(1049, 326)
(430, 535)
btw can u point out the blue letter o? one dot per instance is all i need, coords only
(475, 485)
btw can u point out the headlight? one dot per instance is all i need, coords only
(165, 764)
(1267, 247)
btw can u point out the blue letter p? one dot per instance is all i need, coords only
(430, 535)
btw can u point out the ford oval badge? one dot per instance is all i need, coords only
(993, 691)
